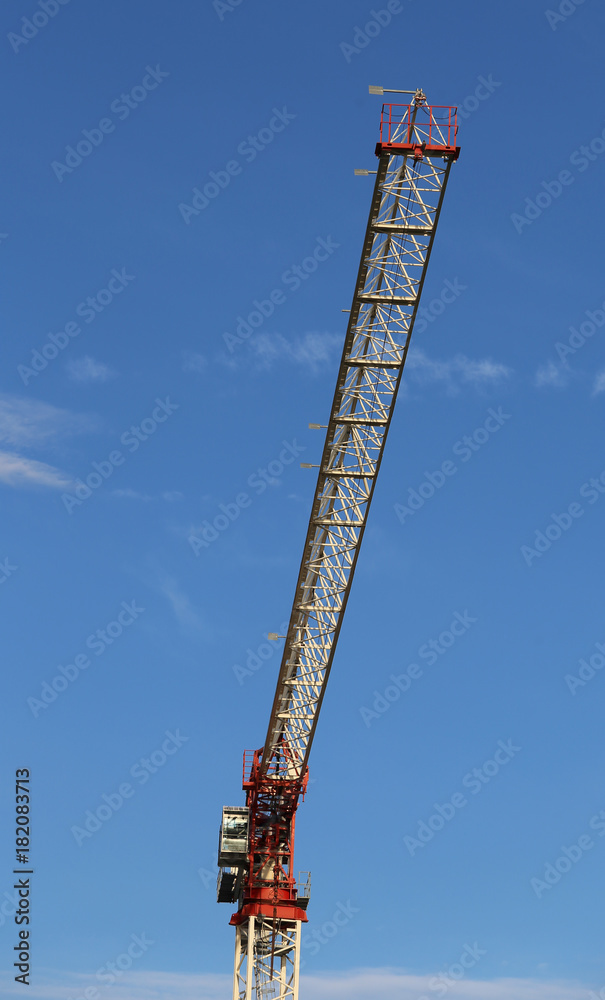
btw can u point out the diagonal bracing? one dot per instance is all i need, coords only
(405, 208)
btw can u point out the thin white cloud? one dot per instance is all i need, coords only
(384, 984)
(312, 351)
(551, 374)
(128, 494)
(50, 985)
(357, 984)
(18, 472)
(455, 372)
(29, 423)
(180, 603)
(599, 383)
(193, 362)
(88, 370)
(317, 352)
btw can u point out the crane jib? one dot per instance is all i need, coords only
(405, 208)
(256, 847)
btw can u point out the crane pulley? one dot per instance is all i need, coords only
(256, 851)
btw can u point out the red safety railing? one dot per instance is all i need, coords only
(433, 125)
(249, 756)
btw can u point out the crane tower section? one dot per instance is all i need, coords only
(416, 150)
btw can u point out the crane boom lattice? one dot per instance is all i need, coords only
(415, 154)
(405, 208)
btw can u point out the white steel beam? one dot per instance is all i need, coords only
(405, 208)
(267, 959)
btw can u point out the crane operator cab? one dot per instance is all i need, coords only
(233, 836)
(232, 852)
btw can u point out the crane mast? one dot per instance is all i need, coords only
(416, 150)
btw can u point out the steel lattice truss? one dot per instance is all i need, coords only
(266, 960)
(405, 209)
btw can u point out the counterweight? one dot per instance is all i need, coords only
(416, 150)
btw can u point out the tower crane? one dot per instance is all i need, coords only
(256, 843)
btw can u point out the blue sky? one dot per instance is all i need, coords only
(119, 292)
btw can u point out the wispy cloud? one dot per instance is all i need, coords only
(170, 496)
(180, 603)
(17, 471)
(88, 370)
(311, 350)
(455, 372)
(551, 374)
(318, 352)
(193, 362)
(599, 383)
(128, 494)
(52, 985)
(29, 423)
(357, 984)
(383, 984)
